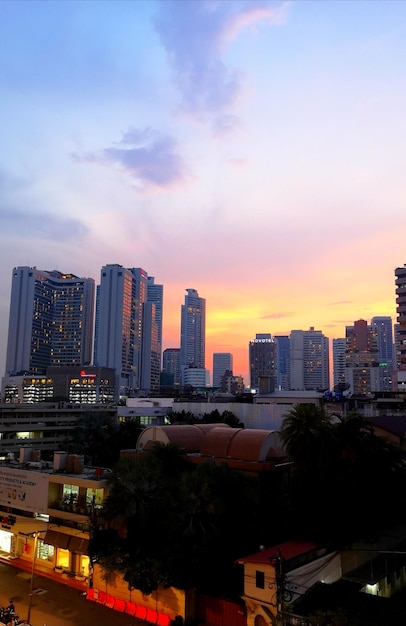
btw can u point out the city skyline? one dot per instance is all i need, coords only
(260, 162)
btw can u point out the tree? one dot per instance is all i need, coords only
(166, 521)
(308, 436)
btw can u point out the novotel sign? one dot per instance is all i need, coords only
(261, 341)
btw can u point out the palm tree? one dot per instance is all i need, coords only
(308, 435)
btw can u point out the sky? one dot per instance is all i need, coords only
(252, 150)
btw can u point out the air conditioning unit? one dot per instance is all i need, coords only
(35, 464)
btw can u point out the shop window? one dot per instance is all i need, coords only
(45, 551)
(63, 558)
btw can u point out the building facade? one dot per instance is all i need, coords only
(400, 338)
(339, 346)
(362, 358)
(282, 362)
(119, 309)
(262, 360)
(71, 383)
(309, 360)
(192, 332)
(171, 366)
(150, 369)
(384, 331)
(51, 321)
(222, 362)
(155, 294)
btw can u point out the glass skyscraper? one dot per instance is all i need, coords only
(193, 331)
(51, 321)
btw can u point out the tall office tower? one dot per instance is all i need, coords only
(400, 273)
(222, 361)
(362, 358)
(155, 294)
(309, 360)
(192, 332)
(262, 361)
(384, 330)
(339, 346)
(282, 361)
(150, 369)
(171, 364)
(51, 320)
(119, 324)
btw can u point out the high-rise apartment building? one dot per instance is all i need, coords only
(282, 361)
(384, 331)
(51, 321)
(155, 294)
(121, 296)
(171, 364)
(339, 347)
(309, 360)
(192, 332)
(400, 273)
(222, 361)
(150, 368)
(362, 358)
(262, 362)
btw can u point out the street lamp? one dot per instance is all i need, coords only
(35, 535)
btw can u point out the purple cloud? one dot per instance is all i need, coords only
(195, 34)
(148, 157)
(43, 226)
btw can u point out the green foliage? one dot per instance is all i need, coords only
(345, 477)
(168, 521)
(100, 440)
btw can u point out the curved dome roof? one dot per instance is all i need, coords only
(243, 444)
(216, 440)
(187, 436)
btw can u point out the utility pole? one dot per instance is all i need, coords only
(279, 564)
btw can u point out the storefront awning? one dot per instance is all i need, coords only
(79, 545)
(59, 540)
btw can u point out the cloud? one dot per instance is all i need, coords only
(195, 36)
(276, 316)
(147, 156)
(42, 226)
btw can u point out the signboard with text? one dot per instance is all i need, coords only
(25, 490)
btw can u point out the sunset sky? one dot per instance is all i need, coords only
(252, 150)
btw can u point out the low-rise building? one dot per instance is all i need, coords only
(46, 510)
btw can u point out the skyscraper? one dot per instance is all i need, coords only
(171, 364)
(362, 358)
(400, 273)
(155, 294)
(121, 296)
(262, 361)
(51, 320)
(339, 346)
(150, 368)
(384, 330)
(309, 360)
(222, 361)
(192, 332)
(282, 361)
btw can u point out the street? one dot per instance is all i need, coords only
(54, 604)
